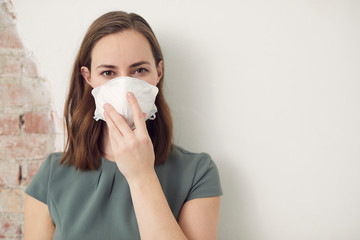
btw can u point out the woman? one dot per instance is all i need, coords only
(114, 181)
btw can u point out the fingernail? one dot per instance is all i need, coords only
(106, 106)
(130, 95)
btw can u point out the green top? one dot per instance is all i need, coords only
(97, 204)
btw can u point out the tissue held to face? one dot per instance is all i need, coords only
(114, 92)
(124, 54)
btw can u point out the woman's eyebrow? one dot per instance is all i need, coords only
(106, 66)
(131, 66)
(138, 64)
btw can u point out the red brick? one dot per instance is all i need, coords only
(32, 146)
(10, 39)
(9, 124)
(11, 200)
(38, 92)
(13, 95)
(12, 69)
(32, 136)
(10, 227)
(39, 122)
(30, 92)
(29, 68)
(9, 8)
(10, 173)
(7, 14)
(10, 66)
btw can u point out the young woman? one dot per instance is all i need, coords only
(113, 180)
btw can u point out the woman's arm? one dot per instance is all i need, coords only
(199, 218)
(152, 210)
(38, 223)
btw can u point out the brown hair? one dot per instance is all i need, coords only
(84, 142)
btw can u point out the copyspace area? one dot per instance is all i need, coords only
(270, 89)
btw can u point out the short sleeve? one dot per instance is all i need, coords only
(38, 187)
(206, 181)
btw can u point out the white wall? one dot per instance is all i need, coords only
(271, 89)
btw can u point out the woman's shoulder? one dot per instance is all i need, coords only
(194, 174)
(186, 155)
(55, 157)
(39, 184)
(53, 160)
(52, 165)
(182, 158)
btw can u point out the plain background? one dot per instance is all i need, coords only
(271, 89)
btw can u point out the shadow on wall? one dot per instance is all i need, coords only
(190, 88)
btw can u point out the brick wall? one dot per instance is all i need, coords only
(27, 123)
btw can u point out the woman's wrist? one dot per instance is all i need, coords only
(142, 179)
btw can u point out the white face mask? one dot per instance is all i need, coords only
(114, 92)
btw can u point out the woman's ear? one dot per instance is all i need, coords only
(159, 69)
(86, 75)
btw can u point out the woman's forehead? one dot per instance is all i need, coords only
(124, 47)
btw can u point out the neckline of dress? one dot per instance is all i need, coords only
(107, 160)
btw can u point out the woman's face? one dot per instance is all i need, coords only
(126, 53)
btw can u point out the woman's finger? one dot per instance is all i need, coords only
(139, 118)
(114, 132)
(114, 136)
(117, 119)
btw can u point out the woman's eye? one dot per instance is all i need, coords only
(141, 70)
(108, 73)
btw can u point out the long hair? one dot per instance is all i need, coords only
(84, 144)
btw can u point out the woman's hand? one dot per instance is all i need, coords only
(132, 149)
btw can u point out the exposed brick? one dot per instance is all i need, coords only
(10, 227)
(10, 173)
(10, 66)
(9, 38)
(9, 8)
(37, 91)
(11, 200)
(29, 68)
(33, 146)
(39, 122)
(27, 126)
(13, 95)
(9, 124)
(12, 69)
(5, 11)
(30, 92)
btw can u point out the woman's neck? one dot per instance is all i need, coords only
(108, 154)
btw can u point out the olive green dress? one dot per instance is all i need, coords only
(97, 204)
